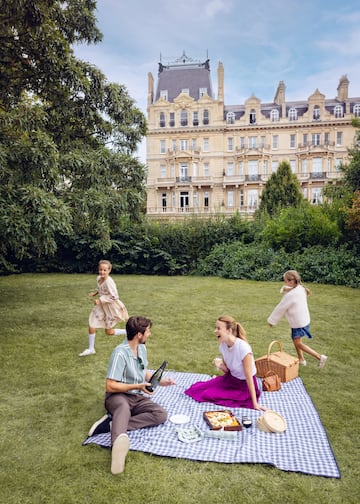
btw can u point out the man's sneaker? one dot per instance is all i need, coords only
(119, 451)
(87, 352)
(323, 359)
(101, 426)
(302, 362)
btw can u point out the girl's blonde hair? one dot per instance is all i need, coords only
(105, 261)
(236, 328)
(295, 276)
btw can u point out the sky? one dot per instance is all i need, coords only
(309, 44)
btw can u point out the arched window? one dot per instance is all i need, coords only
(252, 116)
(184, 118)
(338, 111)
(205, 117)
(274, 115)
(316, 113)
(292, 114)
(230, 118)
(356, 110)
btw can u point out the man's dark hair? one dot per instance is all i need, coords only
(136, 325)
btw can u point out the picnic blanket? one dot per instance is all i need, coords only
(304, 447)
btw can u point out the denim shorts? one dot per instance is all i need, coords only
(300, 332)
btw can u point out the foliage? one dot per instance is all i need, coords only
(297, 228)
(281, 190)
(68, 137)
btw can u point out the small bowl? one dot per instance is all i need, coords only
(246, 422)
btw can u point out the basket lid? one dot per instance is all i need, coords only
(274, 421)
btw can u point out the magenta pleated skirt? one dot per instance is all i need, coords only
(224, 390)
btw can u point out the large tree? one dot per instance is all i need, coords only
(281, 190)
(68, 137)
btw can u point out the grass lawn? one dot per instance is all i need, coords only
(49, 396)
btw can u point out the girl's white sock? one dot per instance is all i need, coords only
(92, 341)
(119, 332)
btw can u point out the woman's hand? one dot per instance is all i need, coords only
(165, 382)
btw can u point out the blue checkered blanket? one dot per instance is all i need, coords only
(304, 446)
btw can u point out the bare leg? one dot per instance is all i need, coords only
(301, 347)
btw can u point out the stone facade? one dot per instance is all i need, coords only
(205, 157)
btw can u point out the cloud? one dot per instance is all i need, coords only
(215, 7)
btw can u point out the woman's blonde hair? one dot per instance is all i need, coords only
(295, 276)
(236, 328)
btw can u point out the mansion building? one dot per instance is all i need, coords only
(205, 157)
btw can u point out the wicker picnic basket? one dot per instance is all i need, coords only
(285, 366)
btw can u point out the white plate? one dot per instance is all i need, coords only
(179, 419)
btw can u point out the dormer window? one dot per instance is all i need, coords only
(164, 94)
(338, 111)
(230, 118)
(252, 117)
(162, 120)
(202, 92)
(185, 91)
(292, 114)
(316, 113)
(205, 117)
(274, 115)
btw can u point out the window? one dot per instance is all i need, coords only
(162, 146)
(202, 92)
(163, 201)
(338, 111)
(184, 118)
(315, 139)
(205, 117)
(164, 94)
(184, 200)
(230, 118)
(317, 166)
(264, 167)
(316, 113)
(162, 171)
(253, 167)
(206, 145)
(326, 138)
(252, 116)
(292, 141)
(185, 91)
(339, 138)
(184, 145)
(274, 115)
(316, 196)
(195, 118)
(274, 166)
(304, 166)
(172, 119)
(338, 162)
(174, 145)
(230, 199)
(293, 165)
(230, 169)
(206, 169)
(356, 110)
(206, 199)
(292, 114)
(275, 141)
(230, 144)
(252, 142)
(253, 198)
(184, 172)
(194, 144)
(262, 142)
(305, 139)
(162, 120)
(241, 193)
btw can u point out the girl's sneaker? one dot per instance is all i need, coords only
(323, 359)
(302, 362)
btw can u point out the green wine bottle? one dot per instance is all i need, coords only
(156, 377)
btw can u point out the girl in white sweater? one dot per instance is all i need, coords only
(294, 307)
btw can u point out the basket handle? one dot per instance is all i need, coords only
(270, 346)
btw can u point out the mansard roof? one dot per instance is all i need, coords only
(184, 73)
